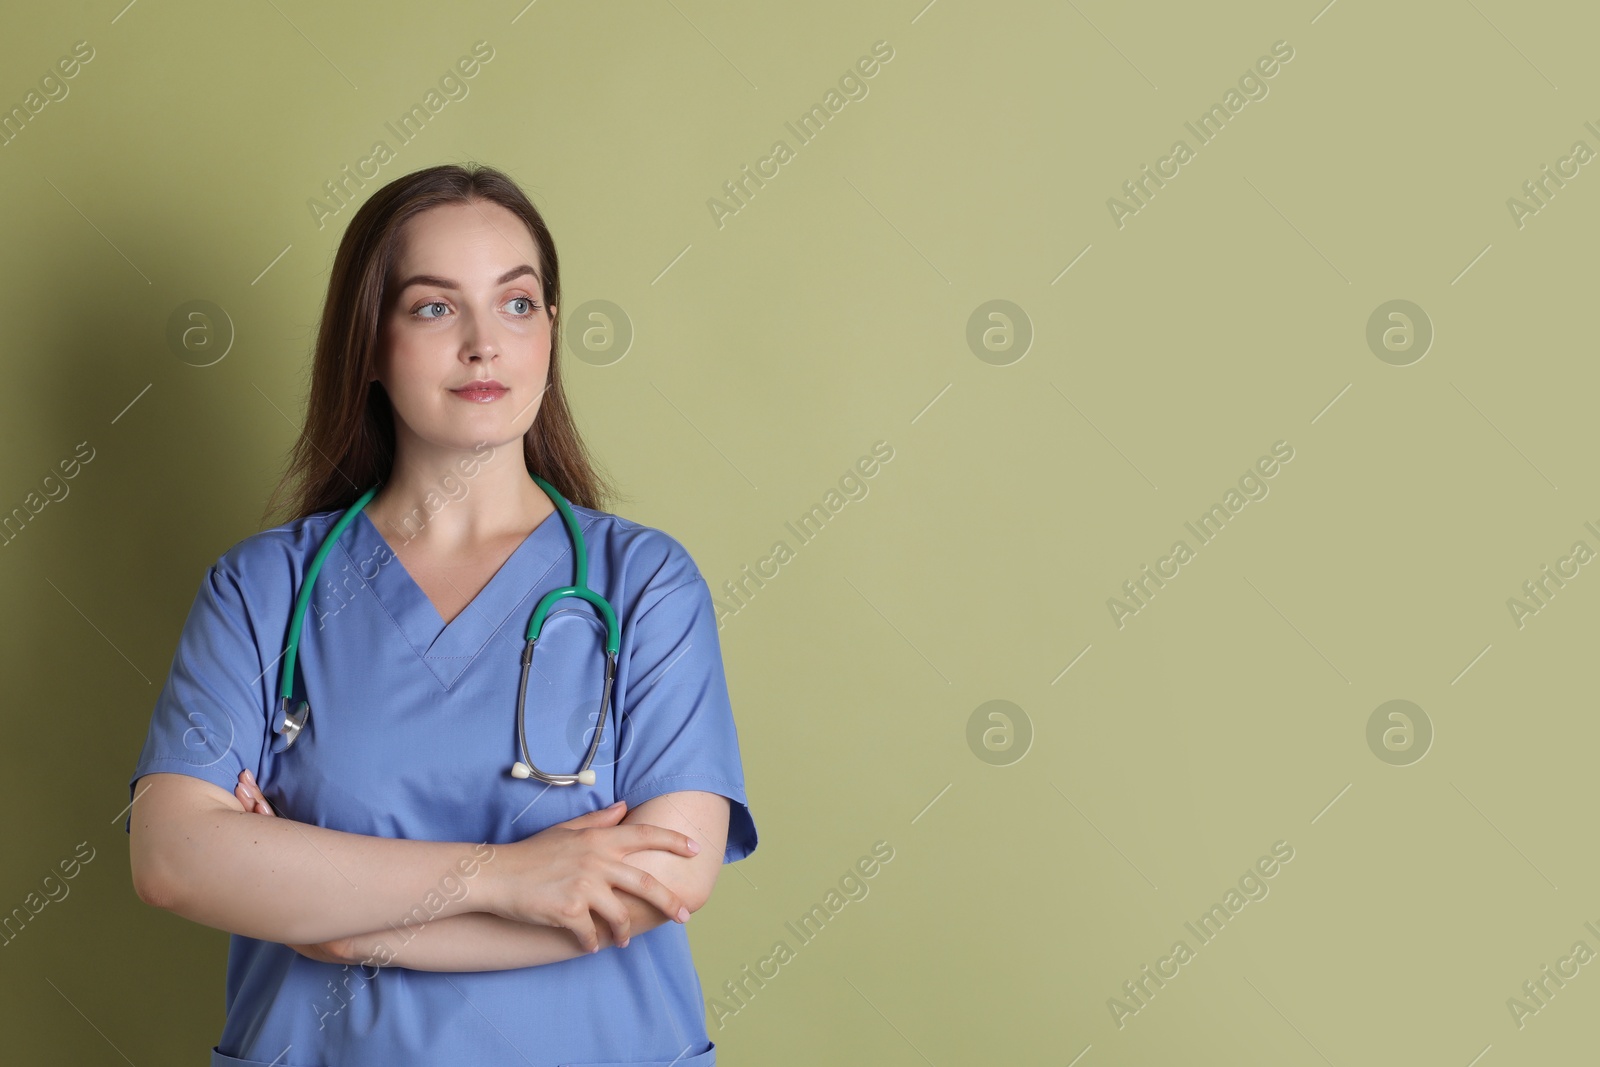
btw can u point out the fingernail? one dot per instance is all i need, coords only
(694, 846)
(624, 944)
(618, 804)
(683, 915)
(248, 795)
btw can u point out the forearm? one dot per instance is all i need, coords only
(479, 941)
(279, 880)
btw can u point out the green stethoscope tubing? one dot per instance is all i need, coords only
(288, 725)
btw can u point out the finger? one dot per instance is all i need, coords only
(615, 914)
(648, 887)
(584, 930)
(251, 799)
(645, 835)
(254, 790)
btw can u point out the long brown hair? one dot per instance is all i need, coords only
(348, 441)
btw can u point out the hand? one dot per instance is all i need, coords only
(565, 875)
(249, 795)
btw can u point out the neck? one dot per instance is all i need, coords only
(452, 500)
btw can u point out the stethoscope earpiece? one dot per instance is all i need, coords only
(522, 770)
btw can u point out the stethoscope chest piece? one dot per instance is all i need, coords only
(289, 724)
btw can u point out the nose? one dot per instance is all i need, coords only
(477, 339)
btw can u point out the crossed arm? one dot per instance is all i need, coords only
(480, 941)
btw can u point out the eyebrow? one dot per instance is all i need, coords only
(446, 283)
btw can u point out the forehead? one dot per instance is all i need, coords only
(470, 243)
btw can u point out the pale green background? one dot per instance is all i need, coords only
(828, 315)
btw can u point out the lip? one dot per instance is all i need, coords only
(482, 391)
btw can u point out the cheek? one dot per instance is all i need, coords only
(411, 364)
(535, 346)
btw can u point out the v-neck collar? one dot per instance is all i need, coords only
(447, 649)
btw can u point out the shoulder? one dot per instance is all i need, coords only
(645, 560)
(268, 558)
(256, 579)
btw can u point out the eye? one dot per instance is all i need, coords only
(532, 308)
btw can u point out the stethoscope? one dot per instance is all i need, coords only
(288, 725)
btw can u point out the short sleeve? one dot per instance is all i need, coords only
(210, 718)
(675, 723)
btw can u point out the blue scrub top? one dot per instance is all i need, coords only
(412, 735)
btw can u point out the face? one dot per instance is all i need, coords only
(465, 303)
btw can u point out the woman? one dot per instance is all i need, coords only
(413, 901)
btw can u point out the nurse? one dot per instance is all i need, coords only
(411, 900)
